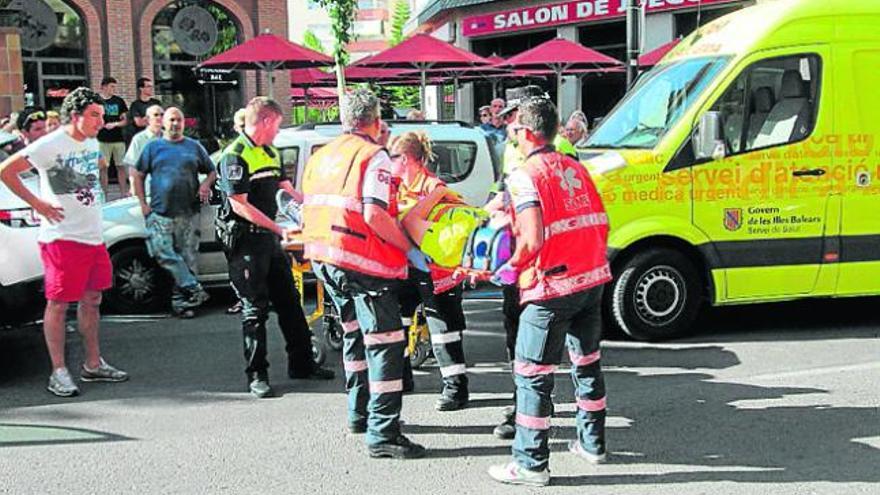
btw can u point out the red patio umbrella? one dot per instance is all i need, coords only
(651, 58)
(562, 57)
(269, 53)
(423, 52)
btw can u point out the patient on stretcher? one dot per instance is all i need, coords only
(448, 230)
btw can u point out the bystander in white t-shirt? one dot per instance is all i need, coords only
(70, 179)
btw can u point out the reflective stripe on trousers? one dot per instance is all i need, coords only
(545, 330)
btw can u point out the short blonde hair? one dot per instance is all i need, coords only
(238, 118)
(413, 143)
(261, 108)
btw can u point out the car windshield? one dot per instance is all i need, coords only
(656, 103)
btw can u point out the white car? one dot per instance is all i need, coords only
(463, 160)
(21, 271)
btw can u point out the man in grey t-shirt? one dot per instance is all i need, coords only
(140, 140)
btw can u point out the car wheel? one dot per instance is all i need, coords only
(656, 295)
(139, 284)
(333, 333)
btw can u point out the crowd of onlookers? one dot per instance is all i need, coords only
(494, 125)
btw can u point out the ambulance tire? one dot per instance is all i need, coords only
(656, 295)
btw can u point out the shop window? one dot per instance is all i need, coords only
(773, 102)
(210, 100)
(52, 71)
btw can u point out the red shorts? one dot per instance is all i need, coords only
(73, 268)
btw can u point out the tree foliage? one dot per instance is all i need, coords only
(311, 41)
(401, 96)
(398, 20)
(342, 16)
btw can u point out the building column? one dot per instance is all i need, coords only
(11, 72)
(121, 50)
(659, 29)
(464, 97)
(272, 17)
(570, 92)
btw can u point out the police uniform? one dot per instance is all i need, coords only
(361, 274)
(258, 268)
(560, 291)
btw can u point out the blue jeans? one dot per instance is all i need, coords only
(545, 327)
(374, 342)
(174, 244)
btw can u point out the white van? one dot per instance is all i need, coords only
(463, 160)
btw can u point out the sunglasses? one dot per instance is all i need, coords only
(36, 116)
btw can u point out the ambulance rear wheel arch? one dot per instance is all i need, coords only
(659, 288)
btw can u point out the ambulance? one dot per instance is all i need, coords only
(745, 167)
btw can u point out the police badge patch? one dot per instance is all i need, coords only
(234, 172)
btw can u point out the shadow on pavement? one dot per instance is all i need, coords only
(28, 435)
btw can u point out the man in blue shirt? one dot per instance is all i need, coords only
(174, 163)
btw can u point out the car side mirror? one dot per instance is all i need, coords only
(708, 140)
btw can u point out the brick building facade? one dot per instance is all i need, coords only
(119, 39)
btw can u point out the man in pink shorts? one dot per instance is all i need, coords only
(77, 266)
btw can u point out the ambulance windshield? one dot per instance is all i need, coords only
(656, 103)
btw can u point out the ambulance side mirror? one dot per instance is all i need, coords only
(708, 139)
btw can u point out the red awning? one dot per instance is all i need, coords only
(268, 52)
(651, 58)
(423, 52)
(314, 93)
(310, 77)
(561, 56)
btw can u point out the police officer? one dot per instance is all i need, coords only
(250, 176)
(360, 254)
(554, 206)
(512, 159)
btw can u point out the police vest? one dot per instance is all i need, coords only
(258, 158)
(334, 229)
(573, 255)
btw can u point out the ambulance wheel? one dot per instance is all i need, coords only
(656, 295)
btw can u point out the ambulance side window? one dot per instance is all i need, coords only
(773, 102)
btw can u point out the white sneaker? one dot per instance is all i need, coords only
(61, 384)
(103, 373)
(514, 474)
(575, 447)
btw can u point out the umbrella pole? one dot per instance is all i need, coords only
(424, 90)
(271, 84)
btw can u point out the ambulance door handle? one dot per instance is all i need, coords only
(814, 172)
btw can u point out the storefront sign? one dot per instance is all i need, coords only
(570, 12)
(37, 22)
(195, 30)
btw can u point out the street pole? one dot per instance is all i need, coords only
(632, 41)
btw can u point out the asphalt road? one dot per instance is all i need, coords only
(779, 399)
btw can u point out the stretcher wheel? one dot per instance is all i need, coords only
(332, 332)
(318, 353)
(420, 353)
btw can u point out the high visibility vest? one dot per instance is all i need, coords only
(513, 158)
(334, 229)
(443, 279)
(573, 255)
(258, 158)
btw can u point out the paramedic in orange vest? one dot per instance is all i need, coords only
(559, 267)
(442, 291)
(361, 255)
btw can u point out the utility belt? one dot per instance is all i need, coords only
(231, 232)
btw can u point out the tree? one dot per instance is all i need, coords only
(342, 16)
(401, 96)
(398, 20)
(311, 41)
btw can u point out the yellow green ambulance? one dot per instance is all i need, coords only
(745, 167)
